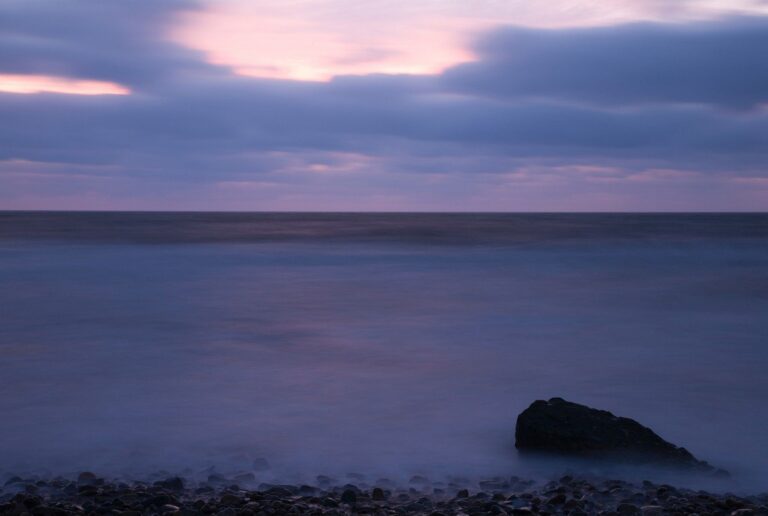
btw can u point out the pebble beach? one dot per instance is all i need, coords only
(242, 495)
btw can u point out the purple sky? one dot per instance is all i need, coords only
(339, 105)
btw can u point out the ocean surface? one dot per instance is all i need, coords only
(382, 344)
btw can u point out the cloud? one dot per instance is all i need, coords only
(719, 62)
(109, 40)
(190, 129)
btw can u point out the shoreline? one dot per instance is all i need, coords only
(243, 494)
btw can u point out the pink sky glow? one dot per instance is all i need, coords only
(347, 37)
(16, 83)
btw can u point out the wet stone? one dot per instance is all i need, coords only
(627, 509)
(349, 496)
(558, 499)
(278, 492)
(172, 483)
(86, 478)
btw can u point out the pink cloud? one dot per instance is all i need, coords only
(319, 39)
(30, 84)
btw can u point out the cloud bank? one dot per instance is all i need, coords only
(633, 116)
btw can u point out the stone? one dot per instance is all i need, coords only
(377, 494)
(349, 496)
(627, 508)
(172, 483)
(561, 427)
(231, 500)
(88, 490)
(306, 490)
(86, 478)
(558, 499)
(279, 492)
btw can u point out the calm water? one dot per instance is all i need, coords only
(372, 343)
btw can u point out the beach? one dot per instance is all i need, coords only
(568, 495)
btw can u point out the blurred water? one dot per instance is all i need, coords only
(373, 343)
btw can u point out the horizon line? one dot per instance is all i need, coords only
(405, 212)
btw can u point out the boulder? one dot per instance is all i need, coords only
(561, 427)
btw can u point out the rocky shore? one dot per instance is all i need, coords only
(90, 494)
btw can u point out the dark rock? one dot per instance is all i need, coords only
(160, 500)
(349, 496)
(306, 490)
(561, 427)
(464, 493)
(279, 492)
(558, 499)
(231, 500)
(88, 490)
(329, 502)
(377, 494)
(627, 508)
(86, 478)
(172, 483)
(416, 508)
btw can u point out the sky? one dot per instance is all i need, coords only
(393, 105)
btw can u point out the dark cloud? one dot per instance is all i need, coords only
(110, 40)
(720, 63)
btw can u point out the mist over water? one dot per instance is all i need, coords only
(380, 344)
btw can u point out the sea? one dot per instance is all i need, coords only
(383, 344)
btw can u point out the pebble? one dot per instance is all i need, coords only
(569, 495)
